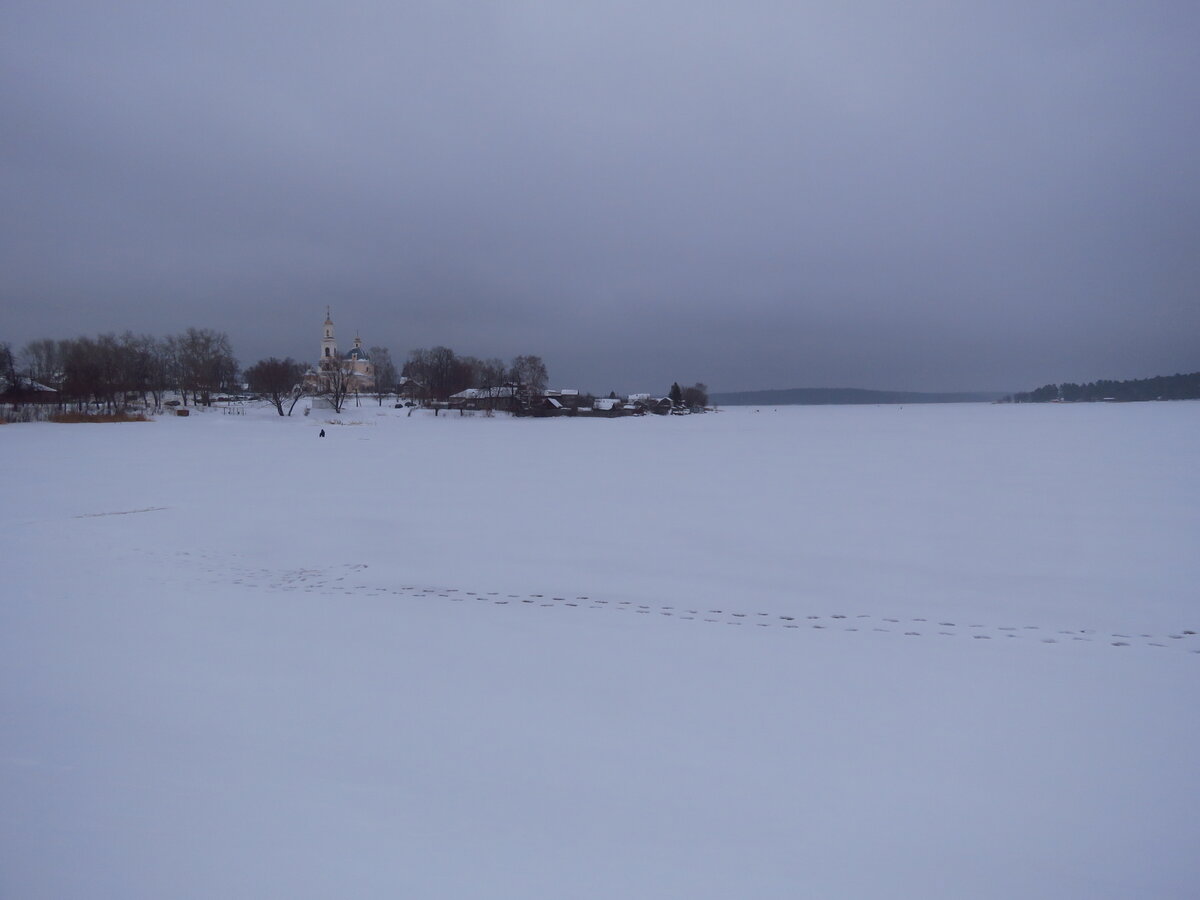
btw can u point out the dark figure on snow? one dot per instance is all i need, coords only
(322, 432)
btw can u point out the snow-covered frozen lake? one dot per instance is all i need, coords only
(861, 652)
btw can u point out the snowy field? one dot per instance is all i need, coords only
(812, 652)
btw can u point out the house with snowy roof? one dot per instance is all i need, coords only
(504, 397)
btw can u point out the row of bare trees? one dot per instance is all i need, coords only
(109, 370)
(444, 373)
(282, 382)
(694, 397)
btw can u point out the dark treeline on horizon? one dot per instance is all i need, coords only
(107, 369)
(1161, 387)
(111, 370)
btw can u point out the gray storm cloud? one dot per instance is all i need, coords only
(928, 196)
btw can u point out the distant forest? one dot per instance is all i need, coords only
(1162, 387)
(836, 396)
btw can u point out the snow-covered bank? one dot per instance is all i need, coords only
(869, 652)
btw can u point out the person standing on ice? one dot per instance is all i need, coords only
(322, 434)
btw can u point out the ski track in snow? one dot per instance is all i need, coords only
(347, 580)
(122, 512)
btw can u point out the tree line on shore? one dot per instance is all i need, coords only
(693, 397)
(1161, 387)
(109, 369)
(113, 372)
(432, 375)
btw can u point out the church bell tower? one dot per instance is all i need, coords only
(329, 352)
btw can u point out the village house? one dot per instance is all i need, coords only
(504, 398)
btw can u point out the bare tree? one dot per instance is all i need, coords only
(163, 369)
(278, 380)
(442, 368)
(386, 375)
(492, 373)
(696, 396)
(337, 383)
(91, 370)
(206, 363)
(439, 370)
(140, 361)
(530, 373)
(8, 370)
(43, 362)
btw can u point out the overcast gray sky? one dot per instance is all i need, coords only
(921, 195)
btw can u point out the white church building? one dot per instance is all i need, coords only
(355, 366)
